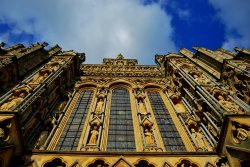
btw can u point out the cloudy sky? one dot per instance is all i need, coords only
(136, 28)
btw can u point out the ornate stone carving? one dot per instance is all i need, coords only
(180, 108)
(149, 138)
(17, 98)
(240, 132)
(198, 77)
(198, 137)
(42, 138)
(186, 163)
(223, 99)
(5, 126)
(40, 76)
(98, 163)
(93, 135)
(222, 162)
(200, 140)
(57, 162)
(144, 163)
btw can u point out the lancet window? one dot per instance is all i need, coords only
(120, 133)
(71, 134)
(171, 138)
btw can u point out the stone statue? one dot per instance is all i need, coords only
(201, 80)
(99, 106)
(39, 78)
(232, 107)
(149, 138)
(13, 101)
(178, 104)
(93, 137)
(141, 107)
(42, 138)
(200, 140)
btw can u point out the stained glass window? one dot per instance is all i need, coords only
(120, 133)
(169, 133)
(71, 134)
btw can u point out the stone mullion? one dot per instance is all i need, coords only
(153, 129)
(84, 143)
(140, 121)
(156, 131)
(104, 141)
(136, 122)
(96, 119)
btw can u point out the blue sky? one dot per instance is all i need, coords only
(136, 28)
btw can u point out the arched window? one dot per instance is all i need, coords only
(171, 138)
(121, 131)
(71, 134)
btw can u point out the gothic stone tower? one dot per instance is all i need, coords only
(191, 109)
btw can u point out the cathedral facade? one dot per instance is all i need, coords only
(191, 109)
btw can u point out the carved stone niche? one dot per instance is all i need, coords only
(144, 163)
(186, 163)
(180, 108)
(197, 136)
(240, 132)
(15, 99)
(198, 77)
(222, 162)
(98, 163)
(55, 162)
(226, 102)
(9, 132)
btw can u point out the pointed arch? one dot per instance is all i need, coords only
(155, 86)
(55, 162)
(120, 82)
(144, 163)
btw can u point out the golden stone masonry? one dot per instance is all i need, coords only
(188, 110)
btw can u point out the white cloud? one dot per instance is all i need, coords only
(235, 16)
(101, 29)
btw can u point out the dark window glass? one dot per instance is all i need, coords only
(169, 133)
(121, 132)
(71, 134)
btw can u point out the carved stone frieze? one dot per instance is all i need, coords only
(120, 70)
(101, 81)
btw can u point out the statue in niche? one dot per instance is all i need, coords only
(199, 78)
(200, 140)
(141, 107)
(229, 105)
(40, 77)
(93, 136)
(178, 104)
(149, 138)
(14, 100)
(99, 106)
(42, 138)
(55, 63)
